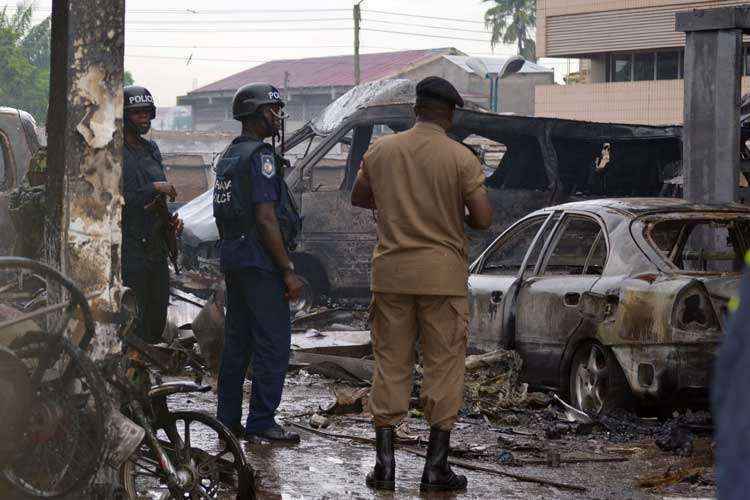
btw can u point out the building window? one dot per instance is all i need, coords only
(646, 66)
(668, 65)
(622, 67)
(746, 61)
(643, 66)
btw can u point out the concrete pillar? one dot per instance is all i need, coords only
(711, 134)
(85, 154)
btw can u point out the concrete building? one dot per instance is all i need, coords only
(309, 85)
(632, 59)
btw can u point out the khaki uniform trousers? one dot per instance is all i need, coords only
(441, 324)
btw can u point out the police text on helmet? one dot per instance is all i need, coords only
(140, 99)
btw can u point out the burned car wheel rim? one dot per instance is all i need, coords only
(591, 381)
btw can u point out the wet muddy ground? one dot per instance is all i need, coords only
(321, 467)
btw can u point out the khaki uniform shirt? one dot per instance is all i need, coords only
(421, 179)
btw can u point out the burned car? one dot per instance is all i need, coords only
(529, 162)
(19, 141)
(612, 301)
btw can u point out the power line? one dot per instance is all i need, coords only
(196, 11)
(425, 35)
(233, 30)
(424, 17)
(233, 21)
(227, 47)
(425, 26)
(210, 59)
(231, 11)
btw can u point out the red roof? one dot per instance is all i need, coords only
(336, 71)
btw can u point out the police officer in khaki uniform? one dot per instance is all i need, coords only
(424, 186)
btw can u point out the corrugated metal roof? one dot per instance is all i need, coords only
(528, 67)
(336, 71)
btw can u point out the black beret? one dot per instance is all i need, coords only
(434, 87)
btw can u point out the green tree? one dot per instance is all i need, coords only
(24, 62)
(513, 22)
(127, 79)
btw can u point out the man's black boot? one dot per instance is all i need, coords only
(383, 475)
(437, 475)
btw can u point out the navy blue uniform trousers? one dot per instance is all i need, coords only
(258, 329)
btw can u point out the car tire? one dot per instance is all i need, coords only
(597, 383)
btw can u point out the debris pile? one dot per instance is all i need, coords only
(493, 384)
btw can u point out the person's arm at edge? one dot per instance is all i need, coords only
(480, 210)
(475, 194)
(362, 195)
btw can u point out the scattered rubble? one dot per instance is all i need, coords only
(318, 421)
(332, 346)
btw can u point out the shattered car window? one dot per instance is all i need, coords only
(507, 257)
(578, 249)
(702, 245)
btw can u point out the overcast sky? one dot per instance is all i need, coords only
(223, 37)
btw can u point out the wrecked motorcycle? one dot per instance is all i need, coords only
(54, 399)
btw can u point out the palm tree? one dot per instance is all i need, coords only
(513, 21)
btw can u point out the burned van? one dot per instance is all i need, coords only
(529, 163)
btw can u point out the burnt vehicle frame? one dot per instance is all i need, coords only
(19, 141)
(648, 324)
(546, 161)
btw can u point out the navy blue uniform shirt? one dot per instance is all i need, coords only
(141, 169)
(266, 186)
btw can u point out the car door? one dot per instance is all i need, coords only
(493, 280)
(549, 298)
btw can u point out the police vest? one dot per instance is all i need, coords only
(231, 188)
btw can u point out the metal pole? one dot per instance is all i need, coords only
(497, 94)
(357, 19)
(492, 94)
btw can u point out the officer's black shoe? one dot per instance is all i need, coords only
(238, 430)
(383, 475)
(437, 475)
(275, 434)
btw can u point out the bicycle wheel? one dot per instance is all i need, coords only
(208, 458)
(63, 438)
(77, 307)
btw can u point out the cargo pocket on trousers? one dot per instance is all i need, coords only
(460, 306)
(371, 313)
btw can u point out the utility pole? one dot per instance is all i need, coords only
(357, 20)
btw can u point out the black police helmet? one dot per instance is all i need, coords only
(136, 97)
(252, 96)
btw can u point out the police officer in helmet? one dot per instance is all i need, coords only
(257, 224)
(144, 252)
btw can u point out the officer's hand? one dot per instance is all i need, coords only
(179, 226)
(294, 286)
(167, 189)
